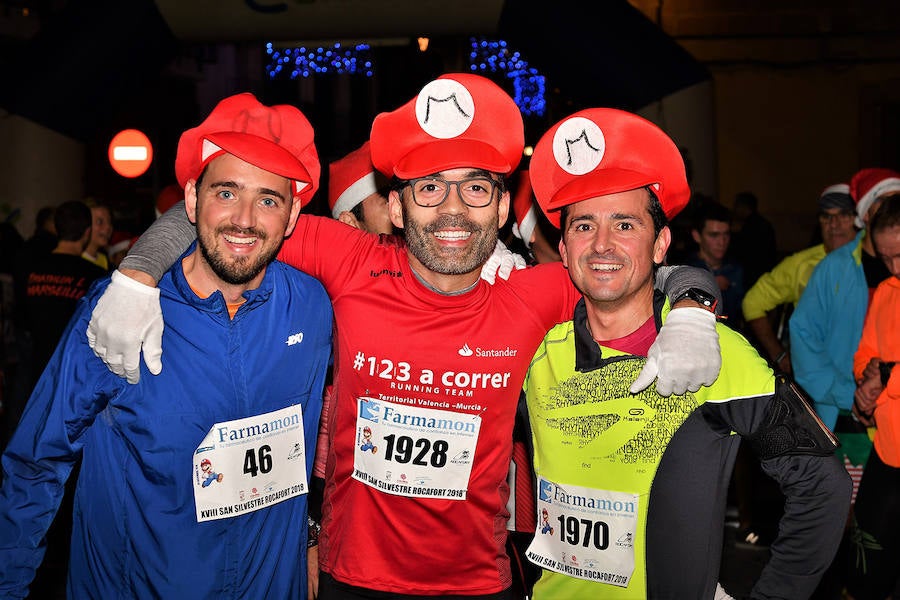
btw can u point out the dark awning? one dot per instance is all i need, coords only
(618, 59)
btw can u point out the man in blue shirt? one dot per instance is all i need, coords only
(251, 340)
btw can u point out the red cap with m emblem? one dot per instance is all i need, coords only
(458, 120)
(602, 151)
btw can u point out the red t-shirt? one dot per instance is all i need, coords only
(410, 349)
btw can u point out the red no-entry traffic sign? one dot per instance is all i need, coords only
(130, 153)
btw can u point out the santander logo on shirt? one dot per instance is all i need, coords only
(487, 353)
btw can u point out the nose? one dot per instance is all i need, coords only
(243, 215)
(453, 204)
(603, 240)
(893, 265)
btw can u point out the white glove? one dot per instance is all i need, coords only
(502, 262)
(685, 354)
(721, 594)
(127, 318)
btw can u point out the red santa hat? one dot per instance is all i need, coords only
(602, 151)
(168, 197)
(351, 180)
(867, 185)
(458, 120)
(523, 208)
(119, 241)
(278, 139)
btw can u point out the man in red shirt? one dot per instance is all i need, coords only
(429, 358)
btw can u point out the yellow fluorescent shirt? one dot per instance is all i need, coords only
(783, 284)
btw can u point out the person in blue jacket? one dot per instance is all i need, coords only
(252, 341)
(827, 323)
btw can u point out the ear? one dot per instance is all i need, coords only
(503, 209)
(348, 218)
(295, 213)
(562, 252)
(661, 245)
(395, 206)
(190, 200)
(696, 235)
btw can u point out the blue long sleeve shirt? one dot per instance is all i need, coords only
(136, 532)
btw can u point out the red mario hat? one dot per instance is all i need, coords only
(867, 185)
(458, 120)
(276, 138)
(351, 180)
(523, 208)
(602, 151)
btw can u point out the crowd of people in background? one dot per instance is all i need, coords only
(818, 322)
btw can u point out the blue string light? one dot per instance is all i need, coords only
(306, 62)
(486, 56)
(494, 56)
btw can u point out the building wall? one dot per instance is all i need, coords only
(803, 96)
(39, 167)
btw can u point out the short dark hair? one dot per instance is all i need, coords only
(357, 211)
(654, 207)
(72, 219)
(887, 215)
(711, 211)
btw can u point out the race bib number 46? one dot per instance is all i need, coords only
(249, 464)
(414, 451)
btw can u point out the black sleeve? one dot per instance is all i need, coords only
(817, 501)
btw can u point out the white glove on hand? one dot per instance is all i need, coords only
(685, 354)
(721, 594)
(127, 318)
(502, 262)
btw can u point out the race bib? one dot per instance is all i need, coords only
(414, 451)
(585, 533)
(248, 464)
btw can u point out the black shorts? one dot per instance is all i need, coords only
(331, 589)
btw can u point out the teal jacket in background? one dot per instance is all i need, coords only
(826, 327)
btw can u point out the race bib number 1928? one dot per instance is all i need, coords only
(414, 451)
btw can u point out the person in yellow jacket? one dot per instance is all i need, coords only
(634, 483)
(787, 280)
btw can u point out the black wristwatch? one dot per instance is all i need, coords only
(700, 297)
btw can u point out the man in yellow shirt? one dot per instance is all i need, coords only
(784, 283)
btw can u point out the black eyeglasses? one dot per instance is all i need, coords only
(841, 217)
(476, 192)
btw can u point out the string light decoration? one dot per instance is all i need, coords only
(494, 56)
(306, 62)
(486, 56)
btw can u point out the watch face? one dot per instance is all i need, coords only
(701, 297)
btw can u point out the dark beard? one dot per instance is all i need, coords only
(242, 270)
(419, 243)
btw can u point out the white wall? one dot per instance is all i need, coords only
(39, 167)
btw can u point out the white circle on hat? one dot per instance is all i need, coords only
(445, 108)
(578, 146)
